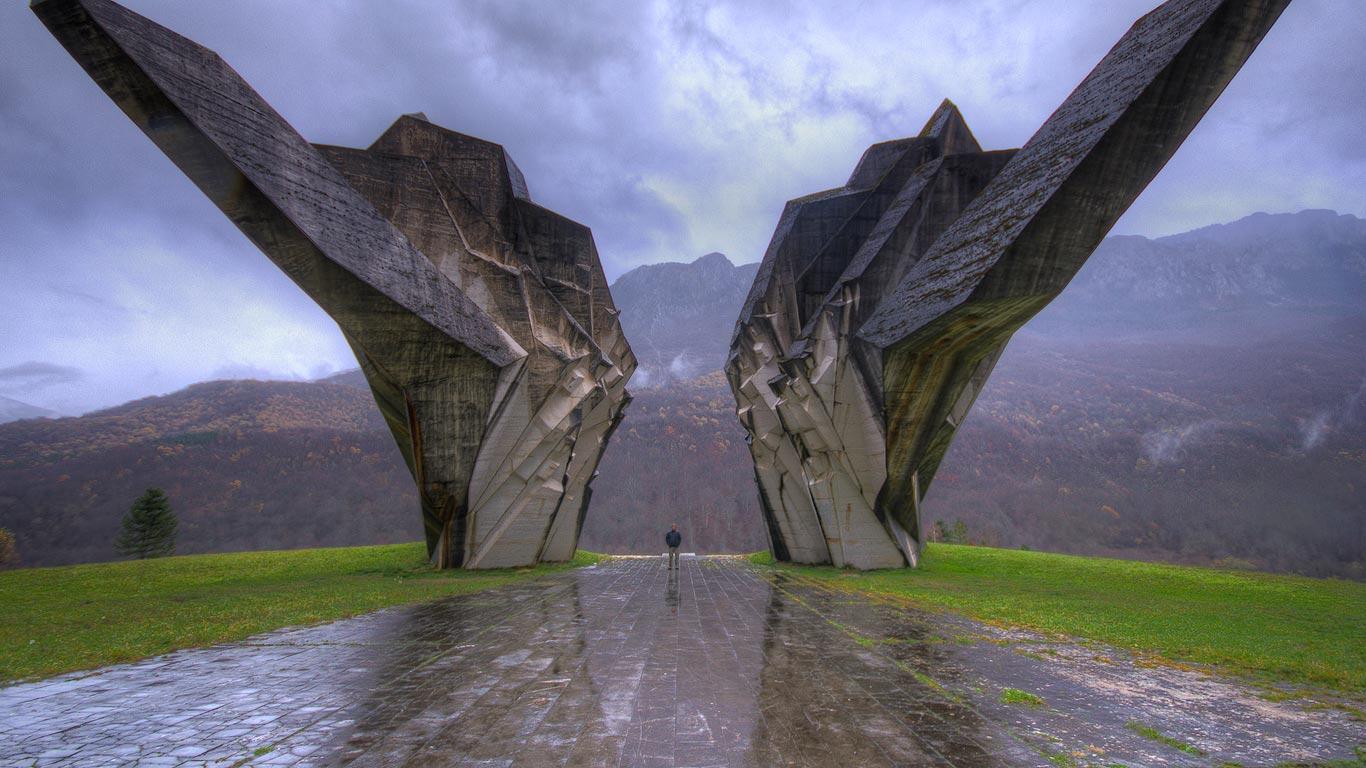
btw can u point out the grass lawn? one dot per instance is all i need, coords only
(1275, 627)
(76, 617)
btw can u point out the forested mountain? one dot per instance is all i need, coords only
(1250, 455)
(246, 464)
(1195, 398)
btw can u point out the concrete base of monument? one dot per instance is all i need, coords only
(628, 664)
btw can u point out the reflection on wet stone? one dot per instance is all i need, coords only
(671, 597)
(629, 664)
(856, 706)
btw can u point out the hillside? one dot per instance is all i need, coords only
(247, 465)
(1248, 456)
(1194, 399)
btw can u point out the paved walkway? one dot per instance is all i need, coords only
(624, 664)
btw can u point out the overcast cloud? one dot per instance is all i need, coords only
(671, 128)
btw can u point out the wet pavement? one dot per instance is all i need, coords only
(626, 664)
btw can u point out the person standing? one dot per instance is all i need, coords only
(673, 538)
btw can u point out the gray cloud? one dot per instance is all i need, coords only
(32, 375)
(672, 128)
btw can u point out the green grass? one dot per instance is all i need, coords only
(1017, 696)
(76, 617)
(761, 558)
(1277, 627)
(1149, 732)
(1060, 759)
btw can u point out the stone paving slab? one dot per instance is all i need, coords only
(627, 664)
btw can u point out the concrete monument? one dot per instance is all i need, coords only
(880, 307)
(481, 320)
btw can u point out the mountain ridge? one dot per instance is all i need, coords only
(679, 315)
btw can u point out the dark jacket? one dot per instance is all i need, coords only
(673, 538)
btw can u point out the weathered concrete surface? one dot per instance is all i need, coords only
(881, 307)
(806, 388)
(482, 321)
(624, 665)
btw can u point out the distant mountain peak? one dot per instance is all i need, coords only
(678, 315)
(714, 258)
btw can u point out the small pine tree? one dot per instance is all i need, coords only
(149, 527)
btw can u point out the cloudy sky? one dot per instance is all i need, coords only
(671, 128)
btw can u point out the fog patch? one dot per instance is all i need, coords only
(246, 371)
(1315, 429)
(641, 378)
(680, 367)
(1168, 446)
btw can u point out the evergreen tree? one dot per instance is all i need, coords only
(149, 527)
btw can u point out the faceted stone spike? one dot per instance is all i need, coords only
(876, 161)
(911, 223)
(864, 343)
(481, 321)
(805, 225)
(948, 127)
(481, 168)
(822, 269)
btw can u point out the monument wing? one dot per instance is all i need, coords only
(494, 351)
(881, 308)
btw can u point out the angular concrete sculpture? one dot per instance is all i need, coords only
(880, 307)
(482, 321)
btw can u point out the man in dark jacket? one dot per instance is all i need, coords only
(673, 538)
